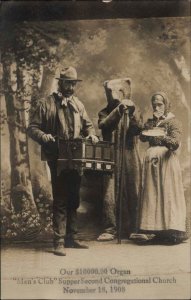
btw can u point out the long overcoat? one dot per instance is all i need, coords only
(110, 122)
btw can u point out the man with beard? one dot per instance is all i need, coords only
(62, 115)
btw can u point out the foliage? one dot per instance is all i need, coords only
(24, 50)
(26, 225)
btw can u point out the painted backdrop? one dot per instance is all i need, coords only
(154, 53)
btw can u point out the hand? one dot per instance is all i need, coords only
(48, 138)
(94, 138)
(148, 126)
(127, 104)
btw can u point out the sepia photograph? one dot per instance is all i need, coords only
(95, 150)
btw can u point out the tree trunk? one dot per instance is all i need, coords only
(47, 81)
(21, 188)
(40, 173)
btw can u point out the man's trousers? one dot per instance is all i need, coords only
(66, 200)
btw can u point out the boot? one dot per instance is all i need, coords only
(70, 243)
(59, 249)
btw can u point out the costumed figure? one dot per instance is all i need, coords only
(62, 115)
(120, 199)
(162, 211)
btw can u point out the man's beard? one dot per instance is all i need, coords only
(67, 93)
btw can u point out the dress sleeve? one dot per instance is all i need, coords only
(173, 137)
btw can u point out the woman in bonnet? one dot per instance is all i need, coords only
(162, 211)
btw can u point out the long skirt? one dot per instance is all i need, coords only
(162, 203)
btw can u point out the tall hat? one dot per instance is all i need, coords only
(69, 74)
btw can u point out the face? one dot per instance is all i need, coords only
(158, 106)
(67, 88)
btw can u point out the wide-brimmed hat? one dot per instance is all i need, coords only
(69, 74)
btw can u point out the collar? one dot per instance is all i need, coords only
(169, 116)
(165, 118)
(65, 100)
(160, 119)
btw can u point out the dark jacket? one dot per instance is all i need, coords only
(46, 119)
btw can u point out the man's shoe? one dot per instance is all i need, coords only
(76, 245)
(59, 250)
